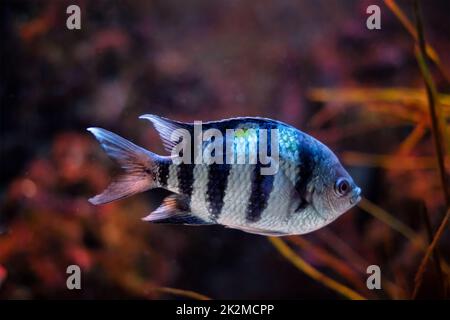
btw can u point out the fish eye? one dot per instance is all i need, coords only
(342, 186)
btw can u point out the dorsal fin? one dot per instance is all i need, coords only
(165, 127)
(175, 210)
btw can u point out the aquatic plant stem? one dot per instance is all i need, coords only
(312, 272)
(436, 253)
(183, 293)
(413, 138)
(437, 130)
(397, 162)
(397, 225)
(351, 272)
(326, 258)
(423, 264)
(437, 126)
(430, 52)
(391, 221)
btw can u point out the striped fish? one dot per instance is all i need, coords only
(309, 190)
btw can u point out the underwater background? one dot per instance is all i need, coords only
(312, 64)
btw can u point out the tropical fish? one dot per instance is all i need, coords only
(309, 190)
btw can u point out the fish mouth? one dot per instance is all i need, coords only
(356, 196)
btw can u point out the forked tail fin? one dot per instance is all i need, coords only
(139, 167)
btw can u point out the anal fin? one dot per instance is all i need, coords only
(174, 210)
(259, 231)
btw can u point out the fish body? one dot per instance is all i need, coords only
(308, 190)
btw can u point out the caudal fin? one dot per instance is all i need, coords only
(138, 165)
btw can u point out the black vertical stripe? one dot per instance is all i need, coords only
(306, 168)
(163, 173)
(185, 172)
(262, 186)
(185, 176)
(217, 184)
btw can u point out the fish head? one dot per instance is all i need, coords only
(325, 194)
(334, 191)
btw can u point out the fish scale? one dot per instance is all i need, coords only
(185, 177)
(198, 199)
(261, 188)
(216, 185)
(279, 202)
(236, 197)
(163, 173)
(172, 182)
